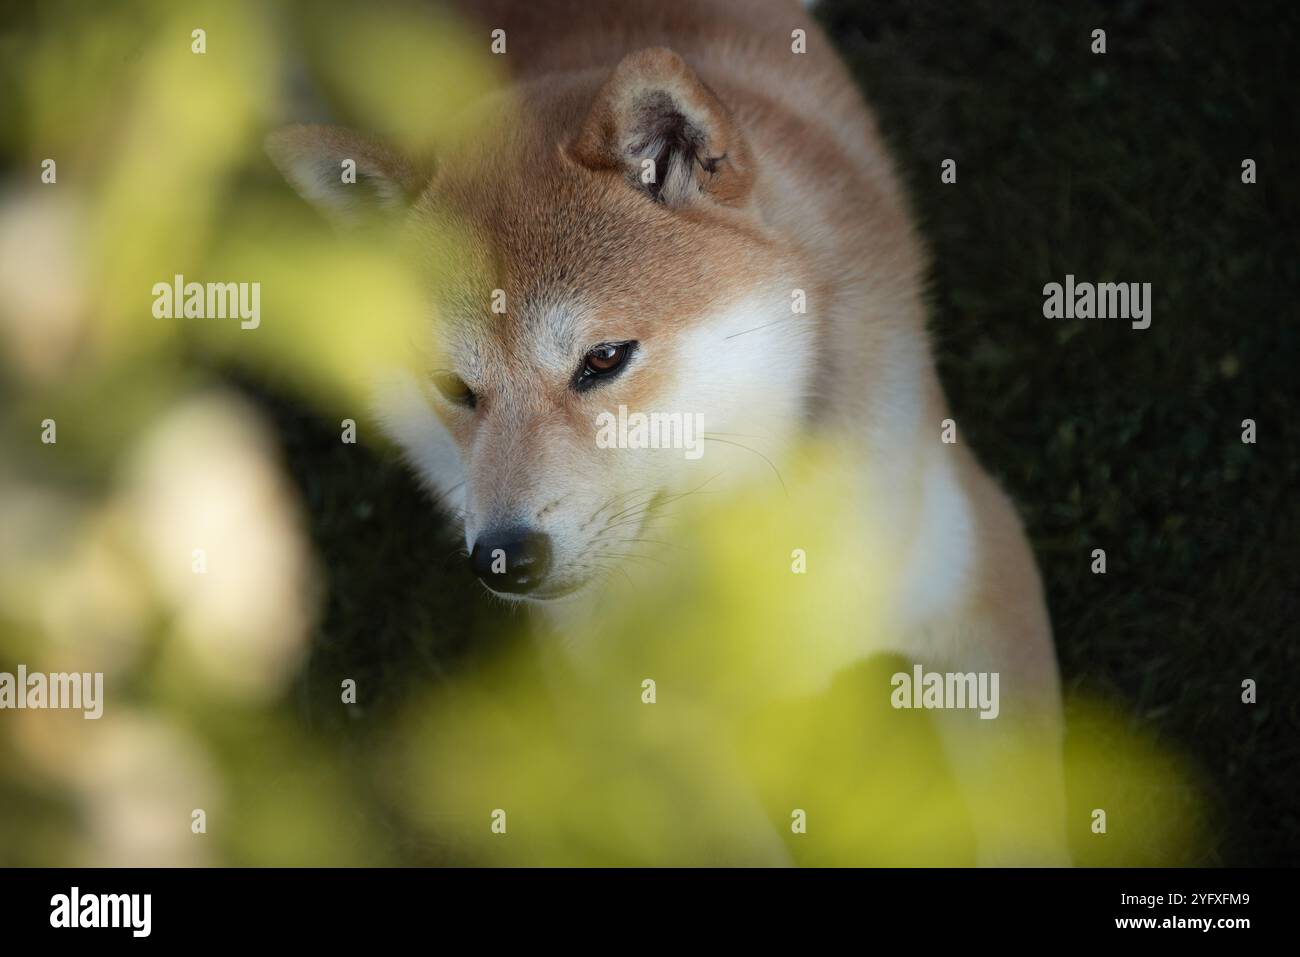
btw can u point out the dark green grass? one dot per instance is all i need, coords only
(1122, 167)
(1126, 167)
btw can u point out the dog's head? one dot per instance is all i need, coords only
(614, 289)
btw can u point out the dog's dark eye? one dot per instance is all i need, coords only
(603, 361)
(453, 388)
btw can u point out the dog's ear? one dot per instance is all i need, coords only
(668, 133)
(351, 178)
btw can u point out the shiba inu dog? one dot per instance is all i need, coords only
(686, 207)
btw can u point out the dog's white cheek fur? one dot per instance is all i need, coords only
(745, 371)
(407, 418)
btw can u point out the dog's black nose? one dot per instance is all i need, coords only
(513, 561)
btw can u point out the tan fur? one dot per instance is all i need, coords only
(792, 188)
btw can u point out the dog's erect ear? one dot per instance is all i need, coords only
(349, 177)
(668, 132)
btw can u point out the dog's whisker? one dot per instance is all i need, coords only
(741, 445)
(765, 325)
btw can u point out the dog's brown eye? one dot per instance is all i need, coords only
(453, 388)
(603, 361)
